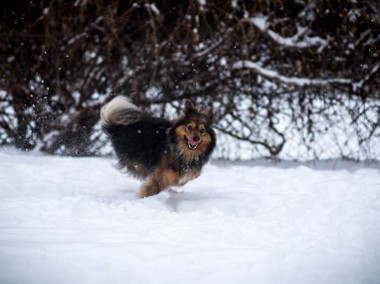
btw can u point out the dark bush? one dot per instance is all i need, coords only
(279, 73)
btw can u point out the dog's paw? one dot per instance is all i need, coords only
(176, 189)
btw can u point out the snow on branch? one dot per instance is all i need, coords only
(299, 40)
(366, 78)
(297, 81)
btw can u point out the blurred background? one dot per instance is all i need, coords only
(287, 79)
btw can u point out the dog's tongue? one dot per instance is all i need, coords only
(193, 143)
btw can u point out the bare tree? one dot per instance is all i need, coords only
(274, 70)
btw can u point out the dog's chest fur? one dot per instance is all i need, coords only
(188, 176)
(189, 171)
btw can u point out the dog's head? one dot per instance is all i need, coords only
(193, 131)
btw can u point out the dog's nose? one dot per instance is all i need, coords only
(196, 138)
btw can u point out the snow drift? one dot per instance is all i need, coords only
(77, 220)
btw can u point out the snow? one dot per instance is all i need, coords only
(268, 73)
(358, 85)
(262, 24)
(202, 2)
(78, 220)
(153, 7)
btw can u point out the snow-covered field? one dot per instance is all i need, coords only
(77, 220)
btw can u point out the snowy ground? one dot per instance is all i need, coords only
(77, 220)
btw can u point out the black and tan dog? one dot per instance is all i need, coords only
(164, 153)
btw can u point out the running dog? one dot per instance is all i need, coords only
(161, 152)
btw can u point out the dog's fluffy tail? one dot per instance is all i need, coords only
(120, 111)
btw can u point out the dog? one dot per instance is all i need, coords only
(163, 153)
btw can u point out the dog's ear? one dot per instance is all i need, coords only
(190, 107)
(209, 113)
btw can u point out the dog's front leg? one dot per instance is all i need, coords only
(158, 181)
(150, 187)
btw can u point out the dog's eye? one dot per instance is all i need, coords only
(202, 131)
(189, 127)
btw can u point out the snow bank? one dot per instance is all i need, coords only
(77, 220)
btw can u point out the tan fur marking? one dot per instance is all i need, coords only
(181, 131)
(189, 155)
(206, 141)
(169, 178)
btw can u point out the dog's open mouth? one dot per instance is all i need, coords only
(193, 144)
